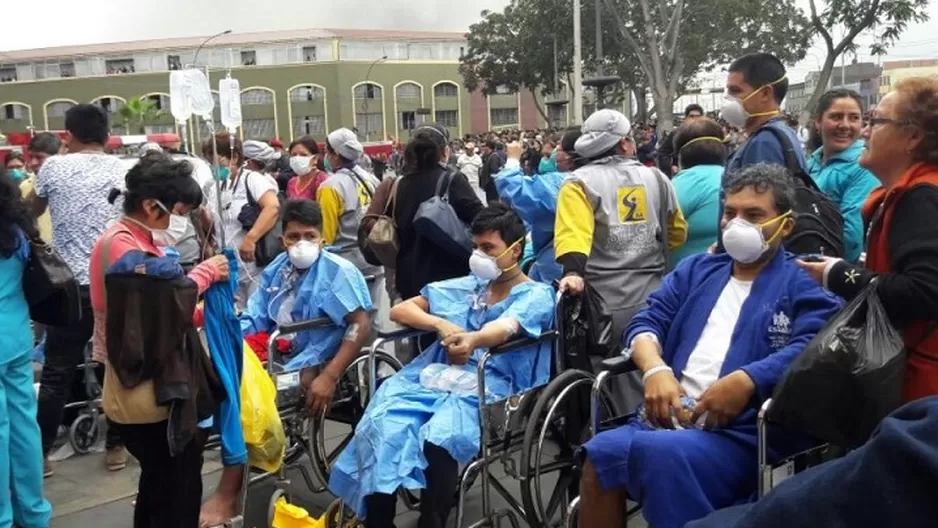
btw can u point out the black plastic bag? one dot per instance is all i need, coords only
(586, 329)
(847, 379)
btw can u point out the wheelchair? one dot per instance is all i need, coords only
(305, 433)
(515, 430)
(770, 474)
(85, 430)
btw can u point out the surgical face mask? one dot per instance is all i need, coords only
(303, 254)
(18, 175)
(301, 164)
(734, 109)
(221, 173)
(327, 165)
(745, 242)
(170, 236)
(486, 267)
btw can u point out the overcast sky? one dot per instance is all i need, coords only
(65, 22)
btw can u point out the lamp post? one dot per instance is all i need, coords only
(195, 60)
(365, 101)
(577, 66)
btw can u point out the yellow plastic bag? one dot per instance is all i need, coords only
(263, 431)
(287, 515)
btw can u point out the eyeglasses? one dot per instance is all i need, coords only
(876, 121)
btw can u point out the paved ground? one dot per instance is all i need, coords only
(85, 495)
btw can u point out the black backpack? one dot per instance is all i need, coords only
(819, 224)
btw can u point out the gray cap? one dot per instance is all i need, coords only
(260, 151)
(346, 144)
(602, 131)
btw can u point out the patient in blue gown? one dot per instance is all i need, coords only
(424, 421)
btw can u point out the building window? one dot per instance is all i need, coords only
(118, 66)
(109, 104)
(257, 97)
(504, 116)
(503, 90)
(248, 58)
(557, 114)
(174, 62)
(448, 118)
(367, 91)
(306, 94)
(309, 126)
(309, 53)
(409, 92)
(67, 69)
(7, 73)
(161, 102)
(446, 90)
(58, 109)
(260, 129)
(368, 125)
(408, 120)
(14, 111)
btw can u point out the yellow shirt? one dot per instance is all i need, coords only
(44, 222)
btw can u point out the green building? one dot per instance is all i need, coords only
(382, 83)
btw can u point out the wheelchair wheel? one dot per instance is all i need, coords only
(272, 505)
(84, 433)
(348, 406)
(555, 430)
(295, 430)
(331, 516)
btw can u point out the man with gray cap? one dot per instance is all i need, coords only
(344, 197)
(616, 222)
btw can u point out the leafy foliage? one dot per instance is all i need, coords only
(886, 19)
(138, 112)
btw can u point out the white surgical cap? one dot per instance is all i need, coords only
(602, 131)
(346, 144)
(260, 151)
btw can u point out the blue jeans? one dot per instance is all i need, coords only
(21, 499)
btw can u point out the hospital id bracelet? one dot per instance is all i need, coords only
(654, 370)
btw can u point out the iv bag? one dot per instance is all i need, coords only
(179, 103)
(229, 95)
(200, 94)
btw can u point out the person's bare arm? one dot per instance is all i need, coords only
(415, 313)
(37, 205)
(270, 213)
(319, 394)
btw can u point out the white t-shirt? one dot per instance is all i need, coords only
(706, 360)
(233, 199)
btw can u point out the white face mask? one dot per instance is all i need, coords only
(301, 164)
(303, 254)
(745, 242)
(734, 113)
(178, 225)
(484, 266)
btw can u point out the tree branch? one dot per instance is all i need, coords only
(816, 22)
(630, 41)
(674, 28)
(868, 20)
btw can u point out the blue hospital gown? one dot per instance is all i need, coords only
(535, 200)
(332, 287)
(387, 450)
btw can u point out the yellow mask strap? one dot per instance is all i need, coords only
(778, 231)
(507, 249)
(702, 138)
(773, 83)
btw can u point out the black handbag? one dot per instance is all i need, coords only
(268, 247)
(50, 287)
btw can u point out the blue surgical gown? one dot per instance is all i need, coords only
(386, 452)
(332, 287)
(534, 198)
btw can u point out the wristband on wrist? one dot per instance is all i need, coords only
(654, 370)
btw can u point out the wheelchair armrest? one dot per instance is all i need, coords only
(404, 333)
(522, 342)
(619, 365)
(312, 324)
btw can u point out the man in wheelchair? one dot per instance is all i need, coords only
(712, 343)
(303, 283)
(424, 421)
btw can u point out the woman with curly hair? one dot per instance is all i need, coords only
(21, 500)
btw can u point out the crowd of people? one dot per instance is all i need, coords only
(687, 239)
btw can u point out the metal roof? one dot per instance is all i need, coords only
(225, 41)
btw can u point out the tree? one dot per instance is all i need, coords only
(887, 18)
(138, 112)
(674, 40)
